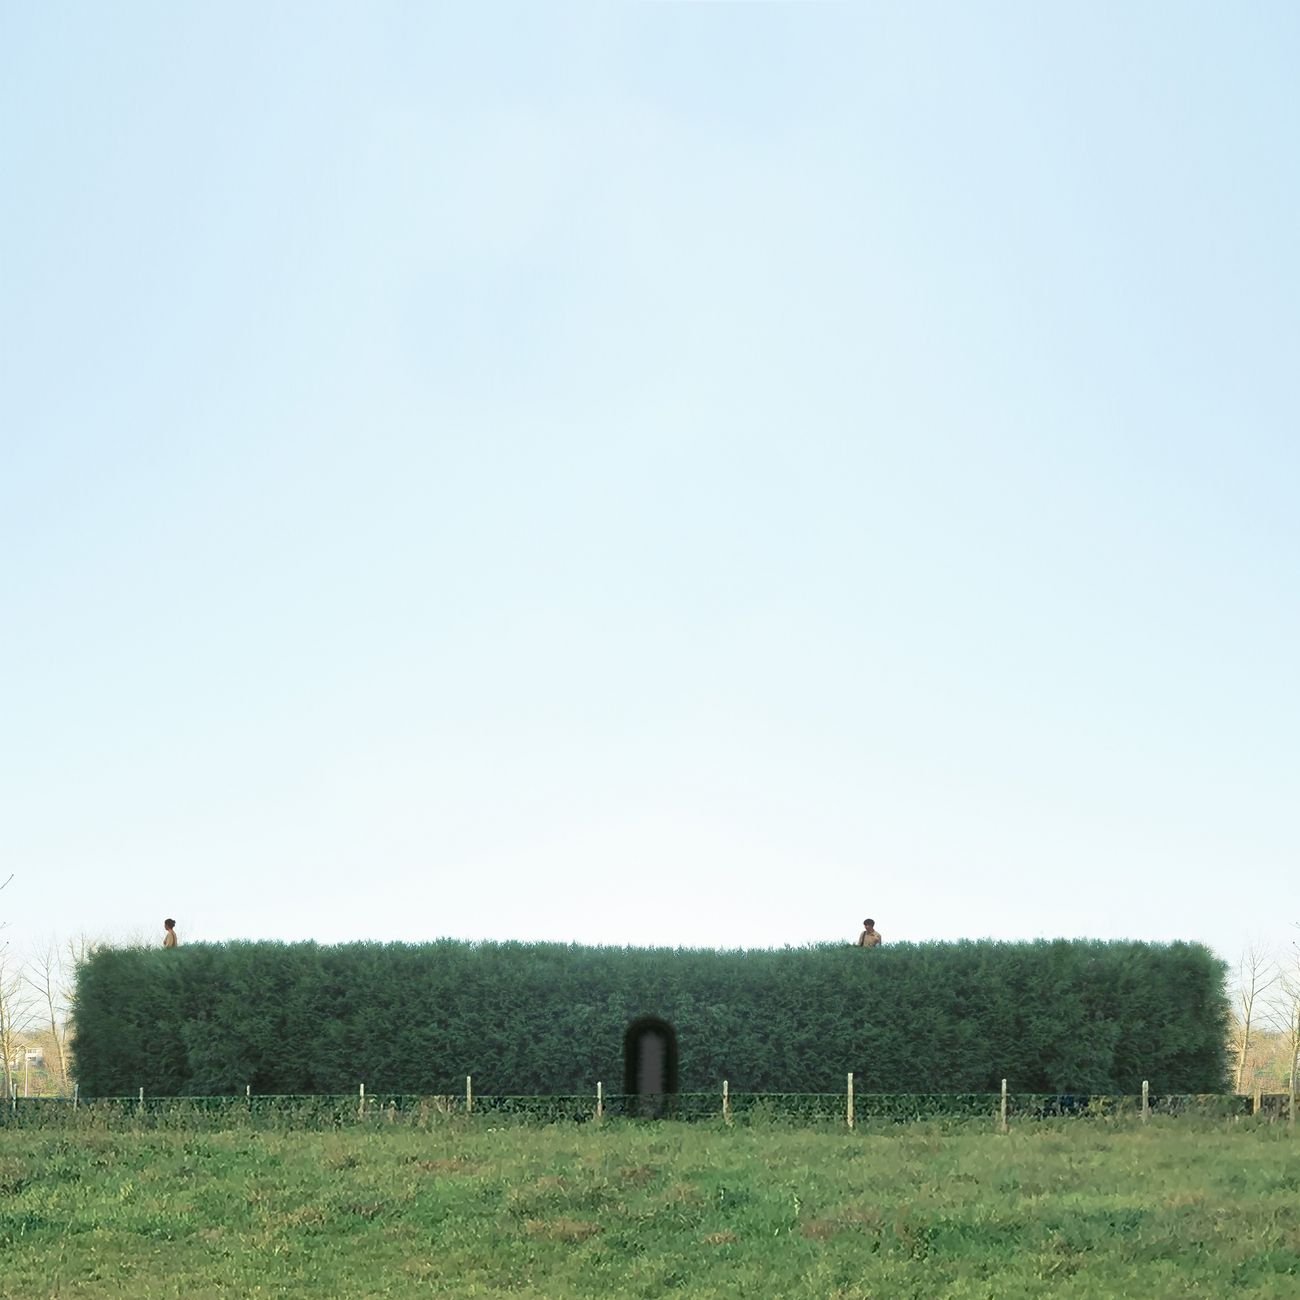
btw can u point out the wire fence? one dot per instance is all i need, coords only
(804, 1110)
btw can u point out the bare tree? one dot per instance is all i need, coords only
(1270, 1056)
(1286, 1011)
(1256, 974)
(45, 977)
(1289, 1026)
(15, 1016)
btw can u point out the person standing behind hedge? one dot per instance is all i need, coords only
(169, 939)
(870, 936)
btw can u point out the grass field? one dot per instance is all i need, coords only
(1068, 1209)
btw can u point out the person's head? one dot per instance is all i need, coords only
(869, 924)
(169, 924)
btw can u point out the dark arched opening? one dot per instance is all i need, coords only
(650, 1066)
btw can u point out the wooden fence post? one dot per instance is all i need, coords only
(726, 1103)
(141, 1101)
(469, 1095)
(849, 1100)
(600, 1101)
(1002, 1110)
(1255, 1107)
(361, 1103)
(1146, 1101)
(76, 1095)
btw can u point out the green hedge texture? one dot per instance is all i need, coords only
(1051, 1016)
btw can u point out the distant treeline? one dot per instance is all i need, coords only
(1059, 1016)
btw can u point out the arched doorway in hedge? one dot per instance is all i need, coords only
(650, 1066)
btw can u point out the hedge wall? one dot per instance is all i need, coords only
(1059, 1016)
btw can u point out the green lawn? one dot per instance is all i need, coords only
(1069, 1210)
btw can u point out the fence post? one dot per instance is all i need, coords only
(76, 1095)
(1002, 1110)
(361, 1102)
(849, 1100)
(1254, 1110)
(726, 1102)
(1146, 1101)
(141, 1101)
(469, 1095)
(600, 1101)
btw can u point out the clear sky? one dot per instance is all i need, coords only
(651, 473)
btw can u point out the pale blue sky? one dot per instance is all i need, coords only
(690, 474)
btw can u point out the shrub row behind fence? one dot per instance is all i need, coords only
(316, 1113)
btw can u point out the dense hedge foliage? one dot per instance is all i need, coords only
(1052, 1017)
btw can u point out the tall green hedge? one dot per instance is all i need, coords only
(1059, 1016)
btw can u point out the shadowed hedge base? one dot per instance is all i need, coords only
(1054, 1017)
